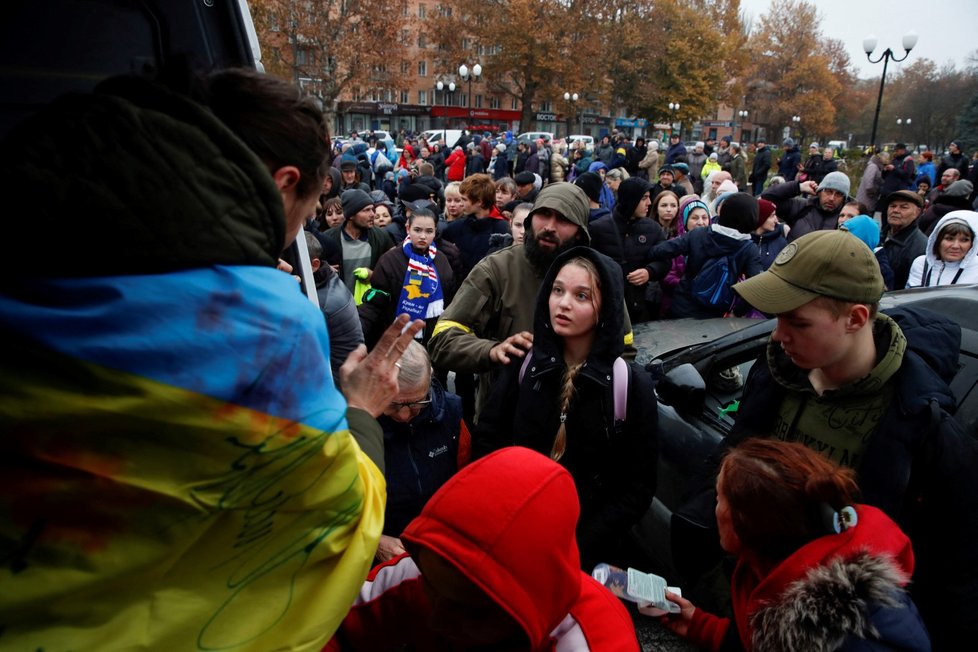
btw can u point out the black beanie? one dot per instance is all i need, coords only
(590, 183)
(414, 191)
(630, 193)
(353, 201)
(739, 211)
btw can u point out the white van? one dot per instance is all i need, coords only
(447, 138)
(531, 136)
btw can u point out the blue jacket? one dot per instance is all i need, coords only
(420, 456)
(770, 244)
(675, 153)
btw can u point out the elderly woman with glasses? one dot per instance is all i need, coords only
(422, 430)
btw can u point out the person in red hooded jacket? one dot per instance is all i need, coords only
(814, 570)
(492, 563)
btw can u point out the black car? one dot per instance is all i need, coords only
(698, 398)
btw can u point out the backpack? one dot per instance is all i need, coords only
(619, 384)
(713, 284)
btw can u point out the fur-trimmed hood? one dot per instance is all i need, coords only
(837, 601)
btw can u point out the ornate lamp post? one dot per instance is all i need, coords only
(796, 121)
(674, 107)
(572, 98)
(869, 45)
(743, 118)
(466, 74)
(446, 90)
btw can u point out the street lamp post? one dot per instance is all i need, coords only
(572, 97)
(466, 74)
(796, 121)
(446, 89)
(869, 46)
(674, 107)
(743, 118)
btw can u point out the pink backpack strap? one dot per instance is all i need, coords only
(526, 363)
(619, 385)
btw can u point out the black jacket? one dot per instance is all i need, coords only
(471, 236)
(613, 465)
(801, 214)
(762, 163)
(628, 243)
(902, 248)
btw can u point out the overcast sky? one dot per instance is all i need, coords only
(948, 29)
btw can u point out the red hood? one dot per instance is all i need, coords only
(874, 532)
(507, 522)
(495, 213)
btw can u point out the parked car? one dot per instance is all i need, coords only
(587, 140)
(447, 138)
(695, 413)
(531, 136)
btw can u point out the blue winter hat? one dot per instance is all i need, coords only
(865, 228)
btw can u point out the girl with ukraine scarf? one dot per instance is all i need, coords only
(415, 278)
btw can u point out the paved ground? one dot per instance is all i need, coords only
(652, 636)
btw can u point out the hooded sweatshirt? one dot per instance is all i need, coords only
(613, 464)
(840, 589)
(928, 271)
(506, 523)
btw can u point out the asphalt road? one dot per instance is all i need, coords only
(652, 636)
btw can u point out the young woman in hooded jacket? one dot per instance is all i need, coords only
(814, 570)
(562, 402)
(950, 257)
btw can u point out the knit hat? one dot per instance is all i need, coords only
(353, 201)
(699, 143)
(824, 263)
(413, 191)
(688, 204)
(523, 178)
(865, 228)
(380, 197)
(765, 209)
(501, 147)
(960, 188)
(739, 212)
(788, 142)
(568, 200)
(713, 156)
(654, 146)
(667, 169)
(590, 183)
(835, 181)
(630, 193)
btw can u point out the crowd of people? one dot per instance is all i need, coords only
(462, 407)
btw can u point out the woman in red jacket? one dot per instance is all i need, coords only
(456, 165)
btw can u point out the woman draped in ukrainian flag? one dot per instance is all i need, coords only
(179, 468)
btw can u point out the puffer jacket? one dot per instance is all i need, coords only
(628, 242)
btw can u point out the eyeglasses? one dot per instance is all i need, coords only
(413, 406)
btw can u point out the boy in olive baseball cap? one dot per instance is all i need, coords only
(870, 392)
(833, 264)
